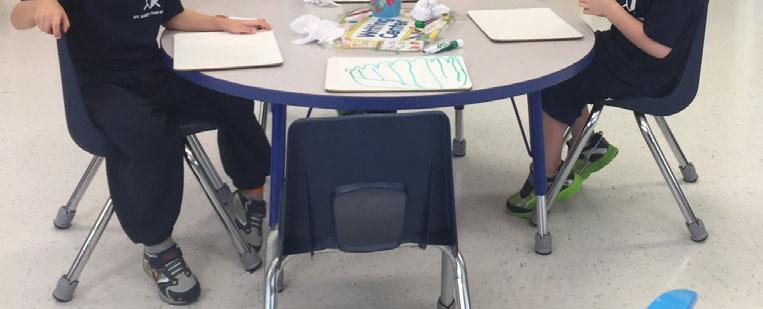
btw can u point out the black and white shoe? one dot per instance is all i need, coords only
(177, 284)
(248, 215)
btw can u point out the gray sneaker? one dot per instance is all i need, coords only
(248, 215)
(177, 284)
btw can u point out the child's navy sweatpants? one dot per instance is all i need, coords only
(141, 114)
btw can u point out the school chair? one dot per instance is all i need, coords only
(91, 139)
(370, 183)
(676, 101)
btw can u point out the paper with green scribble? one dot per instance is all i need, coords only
(394, 74)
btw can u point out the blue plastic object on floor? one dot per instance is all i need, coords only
(676, 299)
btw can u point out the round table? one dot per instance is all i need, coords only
(498, 71)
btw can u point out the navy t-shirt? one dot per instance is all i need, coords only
(117, 37)
(672, 23)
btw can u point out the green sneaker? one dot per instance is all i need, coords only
(522, 203)
(595, 156)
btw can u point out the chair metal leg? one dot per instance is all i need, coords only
(264, 114)
(459, 142)
(694, 224)
(249, 257)
(270, 254)
(271, 294)
(66, 213)
(462, 283)
(453, 271)
(567, 133)
(66, 285)
(446, 299)
(688, 171)
(221, 189)
(577, 148)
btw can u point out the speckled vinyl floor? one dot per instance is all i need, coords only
(618, 244)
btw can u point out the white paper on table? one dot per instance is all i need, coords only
(536, 24)
(221, 50)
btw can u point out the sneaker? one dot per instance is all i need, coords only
(595, 156)
(522, 203)
(177, 284)
(248, 215)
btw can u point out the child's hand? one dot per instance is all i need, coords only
(49, 16)
(243, 26)
(600, 8)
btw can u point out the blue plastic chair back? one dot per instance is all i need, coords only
(687, 85)
(368, 183)
(81, 129)
(676, 299)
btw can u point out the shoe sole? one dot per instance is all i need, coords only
(574, 188)
(597, 165)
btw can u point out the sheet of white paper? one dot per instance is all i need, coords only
(220, 50)
(396, 74)
(537, 24)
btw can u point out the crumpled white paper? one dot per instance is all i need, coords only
(322, 2)
(429, 9)
(316, 29)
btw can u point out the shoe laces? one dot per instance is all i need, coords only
(170, 262)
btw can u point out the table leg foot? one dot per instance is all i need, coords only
(543, 244)
(459, 148)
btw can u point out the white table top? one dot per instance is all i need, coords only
(498, 70)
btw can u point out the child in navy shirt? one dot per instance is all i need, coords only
(642, 55)
(139, 104)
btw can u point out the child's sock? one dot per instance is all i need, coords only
(254, 194)
(158, 248)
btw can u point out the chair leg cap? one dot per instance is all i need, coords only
(459, 148)
(697, 231)
(440, 305)
(689, 173)
(64, 291)
(63, 219)
(543, 244)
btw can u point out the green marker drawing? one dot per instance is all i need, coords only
(418, 73)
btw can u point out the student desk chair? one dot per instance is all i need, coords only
(679, 99)
(91, 139)
(370, 183)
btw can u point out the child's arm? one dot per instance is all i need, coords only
(629, 26)
(191, 21)
(48, 15)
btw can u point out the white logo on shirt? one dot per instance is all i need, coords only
(149, 10)
(150, 4)
(630, 5)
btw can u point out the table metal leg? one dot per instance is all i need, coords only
(542, 236)
(277, 161)
(277, 166)
(459, 142)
